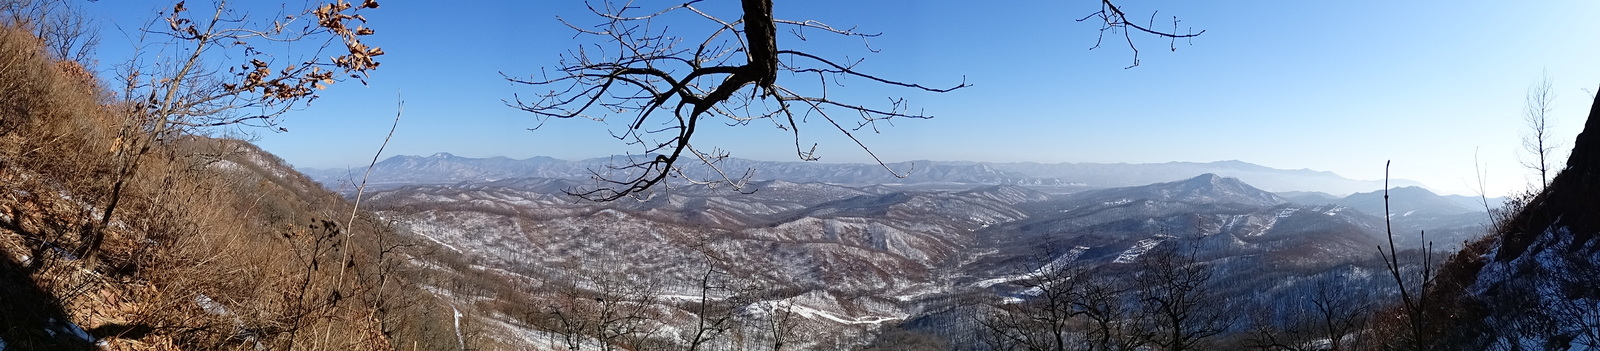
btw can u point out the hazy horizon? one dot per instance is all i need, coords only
(1291, 85)
(1400, 182)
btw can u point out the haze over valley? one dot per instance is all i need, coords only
(856, 255)
(761, 175)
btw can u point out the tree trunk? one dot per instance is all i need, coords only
(1570, 200)
(762, 34)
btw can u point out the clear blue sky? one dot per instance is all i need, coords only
(1339, 86)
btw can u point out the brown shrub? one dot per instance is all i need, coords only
(214, 245)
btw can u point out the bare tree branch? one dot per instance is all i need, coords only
(1114, 20)
(171, 95)
(1538, 142)
(637, 69)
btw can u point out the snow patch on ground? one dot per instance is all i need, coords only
(69, 327)
(1138, 249)
(1285, 213)
(1059, 263)
(226, 165)
(773, 307)
(914, 293)
(210, 306)
(425, 264)
(423, 233)
(1334, 211)
(535, 340)
(1232, 222)
(686, 298)
(460, 338)
(78, 332)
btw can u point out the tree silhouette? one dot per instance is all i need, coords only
(1183, 310)
(666, 85)
(1538, 142)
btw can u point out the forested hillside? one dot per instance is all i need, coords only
(137, 214)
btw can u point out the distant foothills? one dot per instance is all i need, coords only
(445, 168)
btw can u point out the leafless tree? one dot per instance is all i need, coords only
(1413, 292)
(715, 309)
(1333, 312)
(1112, 324)
(664, 85)
(1340, 310)
(1183, 311)
(1065, 307)
(781, 324)
(1045, 317)
(176, 84)
(67, 33)
(1538, 142)
(606, 311)
(667, 84)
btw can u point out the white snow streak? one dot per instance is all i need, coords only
(1137, 249)
(209, 305)
(1285, 213)
(812, 313)
(459, 338)
(1056, 264)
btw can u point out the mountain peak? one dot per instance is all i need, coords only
(1214, 182)
(442, 155)
(1207, 188)
(1404, 200)
(1207, 177)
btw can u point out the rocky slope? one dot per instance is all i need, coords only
(1533, 283)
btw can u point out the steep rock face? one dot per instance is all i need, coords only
(1569, 199)
(1537, 282)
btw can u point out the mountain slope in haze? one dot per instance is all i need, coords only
(1405, 201)
(1125, 174)
(1420, 216)
(444, 168)
(1206, 188)
(1308, 197)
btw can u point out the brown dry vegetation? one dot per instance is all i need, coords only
(216, 245)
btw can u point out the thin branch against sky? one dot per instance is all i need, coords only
(1283, 84)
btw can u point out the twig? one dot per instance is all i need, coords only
(355, 208)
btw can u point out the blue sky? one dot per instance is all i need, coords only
(1339, 86)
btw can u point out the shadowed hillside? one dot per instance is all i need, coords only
(1535, 283)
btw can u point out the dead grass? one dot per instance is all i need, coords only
(216, 244)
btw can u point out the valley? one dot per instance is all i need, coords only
(849, 266)
(149, 199)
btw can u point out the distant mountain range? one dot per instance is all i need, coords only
(444, 168)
